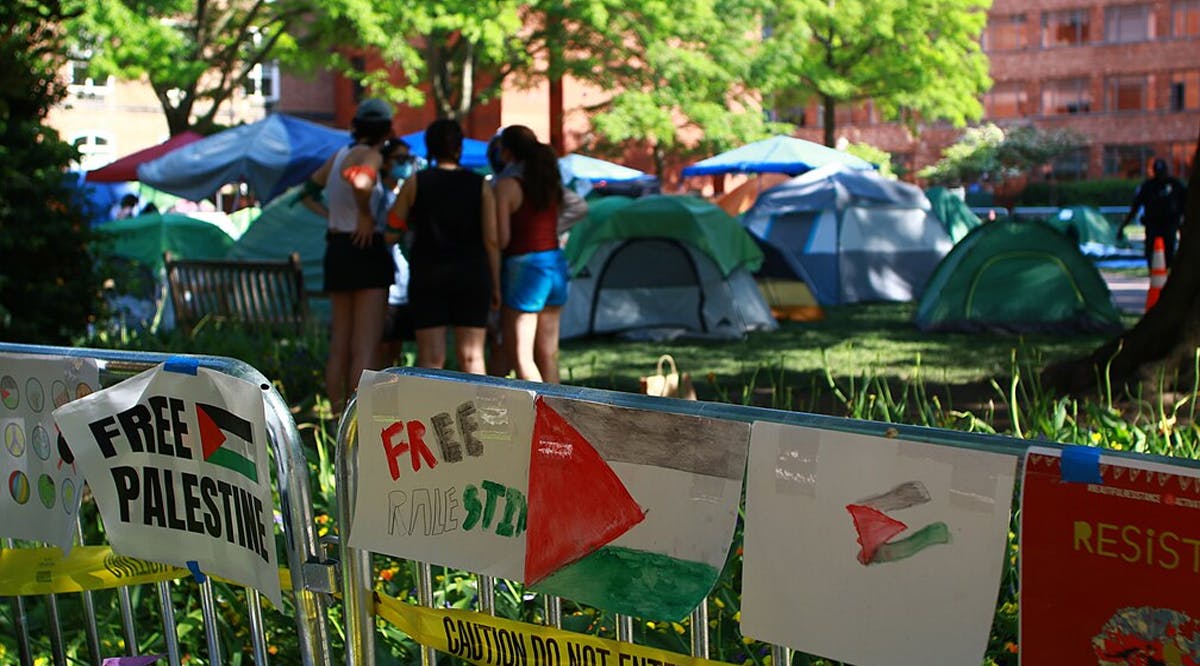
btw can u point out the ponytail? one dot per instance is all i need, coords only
(543, 183)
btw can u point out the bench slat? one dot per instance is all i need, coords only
(258, 293)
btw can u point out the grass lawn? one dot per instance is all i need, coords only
(852, 342)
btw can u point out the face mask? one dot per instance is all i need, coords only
(402, 171)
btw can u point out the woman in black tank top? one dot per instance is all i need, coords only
(454, 257)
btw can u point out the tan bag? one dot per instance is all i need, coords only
(669, 384)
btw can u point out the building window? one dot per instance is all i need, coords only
(1125, 93)
(263, 82)
(1185, 18)
(1007, 100)
(95, 150)
(83, 85)
(1179, 156)
(1071, 166)
(1185, 91)
(1127, 161)
(1066, 96)
(1005, 33)
(1066, 28)
(1128, 23)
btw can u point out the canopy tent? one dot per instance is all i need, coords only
(852, 235)
(663, 266)
(125, 168)
(741, 198)
(144, 238)
(953, 211)
(778, 154)
(1016, 277)
(590, 168)
(474, 152)
(270, 156)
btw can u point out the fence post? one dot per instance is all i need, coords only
(357, 596)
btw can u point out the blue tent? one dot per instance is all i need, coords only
(474, 155)
(270, 156)
(590, 168)
(779, 154)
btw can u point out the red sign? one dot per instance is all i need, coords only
(1110, 572)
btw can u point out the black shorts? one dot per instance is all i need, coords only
(449, 294)
(351, 268)
(397, 325)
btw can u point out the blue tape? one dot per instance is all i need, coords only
(184, 366)
(1081, 464)
(194, 567)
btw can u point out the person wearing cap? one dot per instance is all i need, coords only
(358, 266)
(1161, 198)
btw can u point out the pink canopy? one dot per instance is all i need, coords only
(125, 168)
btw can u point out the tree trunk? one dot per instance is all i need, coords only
(1162, 346)
(829, 119)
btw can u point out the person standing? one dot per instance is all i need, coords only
(454, 259)
(1161, 198)
(534, 280)
(397, 326)
(358, 267)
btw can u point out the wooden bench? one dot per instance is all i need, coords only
(258, 293)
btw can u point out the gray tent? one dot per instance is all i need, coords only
(852, 235)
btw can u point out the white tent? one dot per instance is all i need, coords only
(852, 235)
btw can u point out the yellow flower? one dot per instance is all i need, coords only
(747, 640)
(717, 601)
(678, 627)
(272, 649)
(650, 625)
(737, 617)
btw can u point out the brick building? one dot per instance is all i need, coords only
(1124, 74)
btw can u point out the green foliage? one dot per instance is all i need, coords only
(881, 158)
(1108, 192)
(48, 283)
(991, 153)
(916, 60)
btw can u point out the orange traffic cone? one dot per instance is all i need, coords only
(1158, 273)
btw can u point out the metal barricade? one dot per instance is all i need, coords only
(357, 564)
(312, 573)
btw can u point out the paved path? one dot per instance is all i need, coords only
(1128, 291)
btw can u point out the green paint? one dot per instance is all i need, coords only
(473, 506)
(481, 513)
(930, 535)
(494, 490)
(648, 585)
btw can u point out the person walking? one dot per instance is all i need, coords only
(454, 259)
(358, 267)
(1161, 199)
(534, 279)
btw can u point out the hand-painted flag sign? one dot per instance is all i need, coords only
(1109, 568)
(177, 463)
(42, 486)
(873, 550)
(445, 477)
(684, 471)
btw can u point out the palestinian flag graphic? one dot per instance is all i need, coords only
(684, 472)
(227, 440)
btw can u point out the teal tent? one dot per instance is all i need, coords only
(1016, 277)
(953, 212)
(144, 238)
(286, 226)
(1084, 224)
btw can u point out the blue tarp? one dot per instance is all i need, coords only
(779, 154)
(270, 156)
(474, 155)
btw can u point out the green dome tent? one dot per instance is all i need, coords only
(1016, 277)
(144, 238)
(953, 212)
(1085, 224)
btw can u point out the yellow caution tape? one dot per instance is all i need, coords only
(492, 641)
(36, 571)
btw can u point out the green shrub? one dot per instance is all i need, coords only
(1111, 192)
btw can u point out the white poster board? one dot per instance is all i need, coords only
(873, 550)
(443, 471)
(177, 463)
(42, 485)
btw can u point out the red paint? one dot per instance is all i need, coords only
(415, 446)
(1089, 556)
(576, 502)
(874, 529)
(211, 436)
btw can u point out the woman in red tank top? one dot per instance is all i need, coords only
(534, 273)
